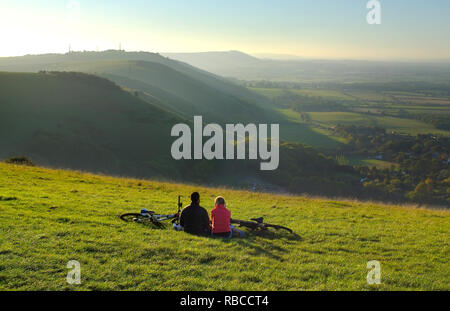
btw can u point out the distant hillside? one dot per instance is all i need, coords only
(175, 85)
(289, 68)
(277, 56)
(80, 121)
(216, 61)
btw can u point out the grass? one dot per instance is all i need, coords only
(296, 130)
(358, 160)
(324, 93)
(369, 96)
(53, 216)
(268, 92)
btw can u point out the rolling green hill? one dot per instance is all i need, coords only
(52, 119)
(80, 121)
(175, 85)
(49, 217)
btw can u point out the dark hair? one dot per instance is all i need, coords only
(195, 197)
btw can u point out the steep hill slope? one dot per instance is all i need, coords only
(56, 216)
(80, 121)
(84, 122)
(178, 91)
(191, 90)
(216, 61)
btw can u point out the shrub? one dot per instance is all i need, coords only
(21, 160)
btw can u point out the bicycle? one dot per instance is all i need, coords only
(150, 217)
(258, 224)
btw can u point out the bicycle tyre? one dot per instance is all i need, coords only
(135, 217)
(277, 227)
(128, 217)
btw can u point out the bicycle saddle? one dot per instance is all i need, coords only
(259, 220)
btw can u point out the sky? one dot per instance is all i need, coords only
(332, 29)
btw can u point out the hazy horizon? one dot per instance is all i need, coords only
(261, 56)
(323, 29)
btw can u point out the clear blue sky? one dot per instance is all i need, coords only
(410, 29)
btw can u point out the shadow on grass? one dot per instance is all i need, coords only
(260, 242)
(257, 242)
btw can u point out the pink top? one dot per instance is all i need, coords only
(220, 218)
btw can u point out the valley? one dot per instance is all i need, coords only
(77, 129)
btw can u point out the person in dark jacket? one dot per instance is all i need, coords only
(194, 219)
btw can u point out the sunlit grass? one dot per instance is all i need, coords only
(48, 217)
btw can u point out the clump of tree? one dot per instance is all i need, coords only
(305, 170)
(20, 160)
(305, 103)
(439, 121)
(421, 172)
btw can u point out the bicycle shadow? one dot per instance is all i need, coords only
(260, 243)
(274, 235)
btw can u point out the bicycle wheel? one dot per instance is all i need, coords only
(244, 223)
(139, 218)
(277, 227)
(129, 217)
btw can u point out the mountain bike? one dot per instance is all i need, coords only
(258, 224)
(150, 217)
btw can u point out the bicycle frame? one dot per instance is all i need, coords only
(158, 217)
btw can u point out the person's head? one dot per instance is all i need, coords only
(195, 197)
(219, 201)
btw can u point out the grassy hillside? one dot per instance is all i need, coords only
(80, 121)
(49, 217)
(178, 87)
(175, 85)
(84, 122)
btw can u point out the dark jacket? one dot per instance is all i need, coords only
(195, 220)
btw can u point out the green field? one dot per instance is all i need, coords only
(268, 92)
(296, 130)
(358, 160)
(49, 217)
(400, 125)
(330, 94)
(357, 107)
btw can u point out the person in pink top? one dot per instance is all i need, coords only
(220, 220)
